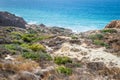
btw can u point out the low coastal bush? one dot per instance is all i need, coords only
(62, 60)
(108, 31)
(34, 47)
(45, 56)
(7, 49)
(98, 40)
(25, 45)
(26, 38)
(64, 70)
(42, 37)
(13, 47)
(16, 35)
(29, 37)
(96, 36)
(29, 55)
(74, 37)
(15, 41)
(101, 43)
(37, 56)
(37, 47)
(34, 37)
(31, 31)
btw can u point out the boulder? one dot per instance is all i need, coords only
(114, 24)
(8, 19)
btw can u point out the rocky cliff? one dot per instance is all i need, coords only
(114, 24)
(8, 19)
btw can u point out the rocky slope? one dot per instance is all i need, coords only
(43, 53)
(50, 30)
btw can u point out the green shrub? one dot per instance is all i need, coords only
(16, 36)
(101, 43)
(29, 55)
(25, 45)
(34, 47)
(96, 36)
(17, 41)
(64, 70)
(13, 47)
(45, 56)
(42, 38)
(106, 45)
(37, 47)
(9, 29)
(28, 37)
(31, 31)
(34, 37)
(10, 46)
(7, 49)
(108, 31)
(98, 42)
(62, 60)
(37, 56)
(74, 37)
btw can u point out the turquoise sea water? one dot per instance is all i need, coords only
(78, 15)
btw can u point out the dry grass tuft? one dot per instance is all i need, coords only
(20, 64)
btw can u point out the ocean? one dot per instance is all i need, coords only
(78, 15)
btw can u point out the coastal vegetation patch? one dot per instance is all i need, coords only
(64, 70)
(62, 60)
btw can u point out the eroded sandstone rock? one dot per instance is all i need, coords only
(114, 24)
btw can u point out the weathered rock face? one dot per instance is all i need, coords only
(8, 19)
(114, 42)
(114, 24)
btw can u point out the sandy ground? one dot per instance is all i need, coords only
(82, 52)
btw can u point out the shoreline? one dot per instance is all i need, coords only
(77, 25)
